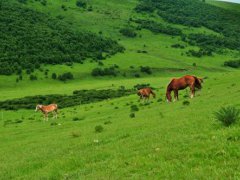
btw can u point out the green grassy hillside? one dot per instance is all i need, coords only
(113, 135)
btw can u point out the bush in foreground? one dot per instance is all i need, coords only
(228, 115)
(98, 129)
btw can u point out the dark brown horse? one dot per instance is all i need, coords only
(182, 83)
(145, 93)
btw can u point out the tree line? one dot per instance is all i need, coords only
(30, 38)
(195, 13)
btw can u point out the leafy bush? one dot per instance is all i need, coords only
(78, 118)
(137, 75)
(132, 115)
(228, 115)
(22, 1)
(232, 63)
(54, 76)
(146, 69)
(128, 32)
(65, 76)
(140, 86)
(32, 77)
(134, 108)
(53, 124)
(111, 71)
(178, 46)
(186, 103)
(107, 122)
(199, 53)
(81, 4)
(98, 129)
(157, 27)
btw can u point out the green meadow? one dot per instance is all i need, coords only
(109, 139)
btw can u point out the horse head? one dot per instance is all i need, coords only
(168, 96)
(38, 107)
(198, 83)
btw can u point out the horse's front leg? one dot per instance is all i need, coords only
(175, 95)
(192, 88)
(56, 115)
(46, 116)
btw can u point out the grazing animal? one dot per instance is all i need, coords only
(145, 93)
(47, 109)
(182, 83)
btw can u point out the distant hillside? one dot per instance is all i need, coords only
(30, 38)
(195, 13)
(226, 5)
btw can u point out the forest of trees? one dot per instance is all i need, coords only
(156, 27)
(29, 39)
(195, 13)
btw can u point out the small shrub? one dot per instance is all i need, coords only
(32, 77)
(75, 134)
(53, 124)
(64, 7)
(228, 115)
(140, 86)
(81, 4)
(54, 76)
(134, 108)
(78, 118)
(137, 75)
(178, 46)
(146, 69)
(65, 76)
(98, 129)
(107, 122)
(233, 63)
(132, 115)
(128, 32)
(160, 100)
(18, 121)
(186, 103)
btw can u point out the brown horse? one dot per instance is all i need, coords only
(47, 109)
(145, 93)
(182, 83)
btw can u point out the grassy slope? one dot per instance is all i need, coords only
(164, 140)
(226, 5)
